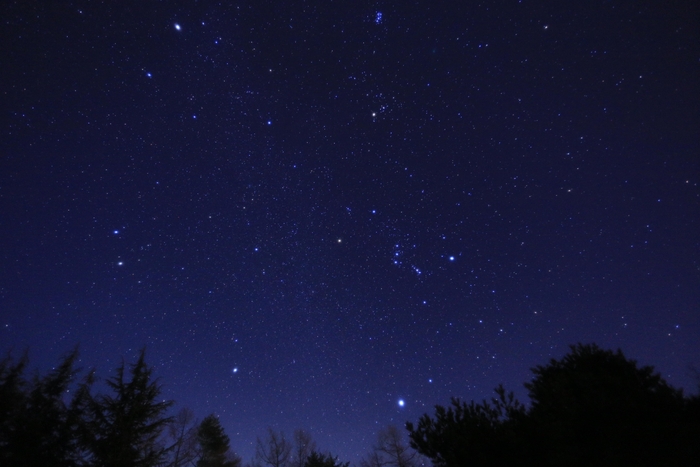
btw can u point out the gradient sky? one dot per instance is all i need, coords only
(308, 211)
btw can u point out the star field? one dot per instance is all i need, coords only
(335, 215)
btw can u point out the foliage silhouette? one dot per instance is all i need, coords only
(37, 426)
(592, 407)
(596, 406)
(214, 443)
(316, 459)
(482, 434)
(122, 429)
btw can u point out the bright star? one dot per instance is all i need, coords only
(177, 26)
(451, 258)
(235, 370)
(401, 403)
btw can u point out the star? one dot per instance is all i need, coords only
(177, 26)
(401, 403)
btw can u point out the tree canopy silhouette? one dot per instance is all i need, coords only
(390, 450)
(592, 407)
(316, 459)
(37, 426)
(214, 443)
(43, 423)
(123, 428)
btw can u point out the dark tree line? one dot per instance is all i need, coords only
(55, 420)
(593, 407)
(58, 420)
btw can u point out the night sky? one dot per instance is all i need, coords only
(311, 211)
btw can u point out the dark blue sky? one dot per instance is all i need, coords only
(307, 211)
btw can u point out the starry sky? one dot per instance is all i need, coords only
(310, 211)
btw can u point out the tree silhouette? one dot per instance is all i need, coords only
(304, 445)
(214, 444)
(316, 459)
(592, 407)
(122, 429)
(596, 406)
(479, 434)
(12, 400)
(182, 436)
(390, 450)
(274, 451)
(37, 426)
